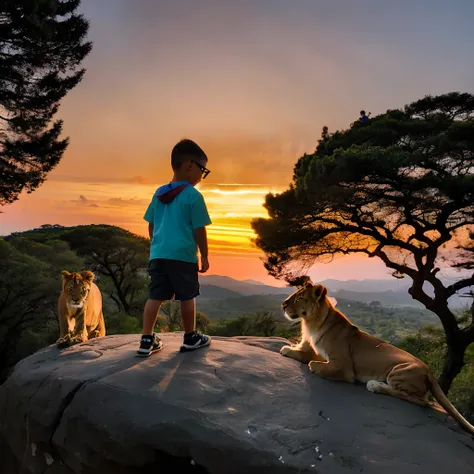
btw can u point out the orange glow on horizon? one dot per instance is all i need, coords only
(71, 203)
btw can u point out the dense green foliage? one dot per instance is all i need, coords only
(42, 44)
(399, 188)
(25, 292)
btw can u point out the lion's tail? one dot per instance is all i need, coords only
(447, 405)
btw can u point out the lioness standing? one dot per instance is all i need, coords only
(79, 309)
(336, 349)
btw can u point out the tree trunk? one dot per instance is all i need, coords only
(120, 295)
(109, 272)
(456, 338)
(453, 363)
(117, 302)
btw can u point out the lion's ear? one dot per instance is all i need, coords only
(88, 276)
(308, 283)
(66, 275)
(319, 292)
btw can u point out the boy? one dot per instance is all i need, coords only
(177, 218)
(364, 119)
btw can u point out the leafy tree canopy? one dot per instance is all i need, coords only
(42, 43)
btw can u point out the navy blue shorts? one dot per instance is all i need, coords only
(172, 278)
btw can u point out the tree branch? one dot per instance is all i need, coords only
(459, 285)
(117, 302)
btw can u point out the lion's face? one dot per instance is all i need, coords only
(306, 302)
(77, 286)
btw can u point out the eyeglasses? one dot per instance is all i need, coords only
(203, 169)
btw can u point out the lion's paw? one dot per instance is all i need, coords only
(94, 334)
(285, 350)
(63, 342)
(77, 340)
(60, 343)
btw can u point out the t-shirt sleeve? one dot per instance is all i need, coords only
(199, 215)
(150, 212)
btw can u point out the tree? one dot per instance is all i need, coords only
(56, 253)
(117, 254)
(42, 43)
(26, 299)
(400, 189)
(202, 321)
(466, 262)
(265, 324)
(171, 310)
(466, 259)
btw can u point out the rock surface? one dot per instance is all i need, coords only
(236, 407)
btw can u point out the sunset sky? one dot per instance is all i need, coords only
(253, 82)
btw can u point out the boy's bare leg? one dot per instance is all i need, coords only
(150, 314)
(150, 342)
(188, 314)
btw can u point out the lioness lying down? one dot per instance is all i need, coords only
(335, 349)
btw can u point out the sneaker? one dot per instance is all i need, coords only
(195, 341)
(149, 344)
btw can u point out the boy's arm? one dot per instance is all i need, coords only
(199, 220)
(149, 217)
(200, 234)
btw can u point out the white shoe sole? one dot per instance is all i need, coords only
(145, 353)
(188, 348)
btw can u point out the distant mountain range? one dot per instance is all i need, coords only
(241, 287)
(386, 292)
(382, 310)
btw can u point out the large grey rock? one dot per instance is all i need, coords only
(236, 407)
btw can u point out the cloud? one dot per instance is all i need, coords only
(83, 201)
(128, 202)
(137, 180)
(110, 202)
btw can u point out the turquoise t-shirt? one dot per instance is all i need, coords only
(175, 221)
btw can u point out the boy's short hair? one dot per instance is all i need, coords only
(186, 150)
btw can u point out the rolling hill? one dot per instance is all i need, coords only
(247, 287)
(386, 292)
